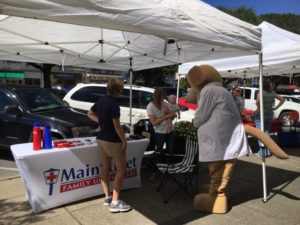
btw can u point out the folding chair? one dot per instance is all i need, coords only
(187, 166)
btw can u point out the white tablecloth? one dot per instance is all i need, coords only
(58, 176)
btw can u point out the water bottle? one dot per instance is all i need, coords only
(146, 125)
(47, 142)
(36, 136)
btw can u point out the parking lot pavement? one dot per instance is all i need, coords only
(6, 172)
(8, 166)
(245, 199)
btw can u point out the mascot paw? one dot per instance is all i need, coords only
(205, 202)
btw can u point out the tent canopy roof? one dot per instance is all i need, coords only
(121, 34)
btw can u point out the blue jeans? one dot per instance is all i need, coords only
(267, 130)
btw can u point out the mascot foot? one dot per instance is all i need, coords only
(204, 202)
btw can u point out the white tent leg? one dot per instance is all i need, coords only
(177, 92)
(262, 127)
(244, 83)
(130, 97)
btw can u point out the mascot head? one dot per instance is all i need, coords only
(198, 77)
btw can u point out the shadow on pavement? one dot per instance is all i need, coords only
(247, 182)
(245, 185)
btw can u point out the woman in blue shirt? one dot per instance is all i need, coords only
(111, 142)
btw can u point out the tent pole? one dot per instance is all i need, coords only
(177, 91)
(262, 127)
(291, 74)
(244, 83)
(130, 93)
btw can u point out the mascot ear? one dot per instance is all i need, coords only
(195, 80)
(198, 77)
(195, 77)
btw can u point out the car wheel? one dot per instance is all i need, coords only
(285, 118)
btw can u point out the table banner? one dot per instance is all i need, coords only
(58, 176)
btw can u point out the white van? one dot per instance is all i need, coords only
(83, 96)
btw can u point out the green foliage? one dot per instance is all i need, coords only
(243, 13)
(183, 83)
(186, 129)
(287, 21)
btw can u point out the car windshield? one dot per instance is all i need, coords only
(39, 99)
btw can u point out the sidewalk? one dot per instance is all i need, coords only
(282, 207)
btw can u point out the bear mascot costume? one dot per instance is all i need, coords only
(221, 135)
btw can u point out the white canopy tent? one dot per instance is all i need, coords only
(281, 56)
(31, 40)
(121, 35)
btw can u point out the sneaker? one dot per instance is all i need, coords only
(107, 201)
(120, 207)
(258, 155)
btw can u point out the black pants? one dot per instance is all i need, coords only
(160, 140)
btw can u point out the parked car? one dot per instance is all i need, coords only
(281, 113)
(21, 106)
(83, 96)
(291, 98)
(61, 90)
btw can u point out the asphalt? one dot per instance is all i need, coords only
(245, 199)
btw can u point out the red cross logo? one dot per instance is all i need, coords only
(51, 177)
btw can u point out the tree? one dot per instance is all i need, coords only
(243, 13)
(287, 21)
(46, 70)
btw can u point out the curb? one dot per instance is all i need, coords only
(10, 178)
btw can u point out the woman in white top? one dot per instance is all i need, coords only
(159, 114)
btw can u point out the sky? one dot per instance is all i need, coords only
(260, 6)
